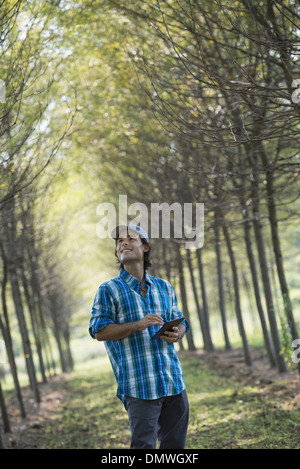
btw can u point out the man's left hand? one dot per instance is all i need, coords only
(170, 336)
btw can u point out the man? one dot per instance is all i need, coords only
(127, 311)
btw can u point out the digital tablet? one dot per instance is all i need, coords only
(167, 327)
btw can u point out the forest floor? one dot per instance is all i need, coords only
(231, 406)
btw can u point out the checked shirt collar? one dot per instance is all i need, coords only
(132, 281)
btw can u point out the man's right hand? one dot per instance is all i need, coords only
(149, 320)
(120, 331)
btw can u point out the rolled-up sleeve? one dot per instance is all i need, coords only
(176, 313)
(103, 311)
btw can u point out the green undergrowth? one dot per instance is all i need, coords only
(224, 411)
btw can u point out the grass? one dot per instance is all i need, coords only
(228, 414)
(225, 411)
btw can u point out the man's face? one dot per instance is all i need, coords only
(130, 248)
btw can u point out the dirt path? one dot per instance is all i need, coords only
(260, 374)
(26, 433)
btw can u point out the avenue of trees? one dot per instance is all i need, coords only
(220, 79)
(174, 101)
(31, 284)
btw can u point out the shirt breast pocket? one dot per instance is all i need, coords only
(133, 311)
(162, 307)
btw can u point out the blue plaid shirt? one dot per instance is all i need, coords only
(143, 368)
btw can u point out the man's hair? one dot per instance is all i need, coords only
(147, 261)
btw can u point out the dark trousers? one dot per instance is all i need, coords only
(164, 419)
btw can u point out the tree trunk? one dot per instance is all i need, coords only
(277, 248)
(238, 311)
(68, 350)
(34, 325)
(60, 347)
(220, 282)
(281, 365)
(2, 445)
(183, 295)
(203, 291)
(27, 255)
(38, 301)
(208, 345)
(24, 333)
(166, 261)
(5, 418)
(12, 256)
(5, 328)
(174, 283)
(250, 254)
